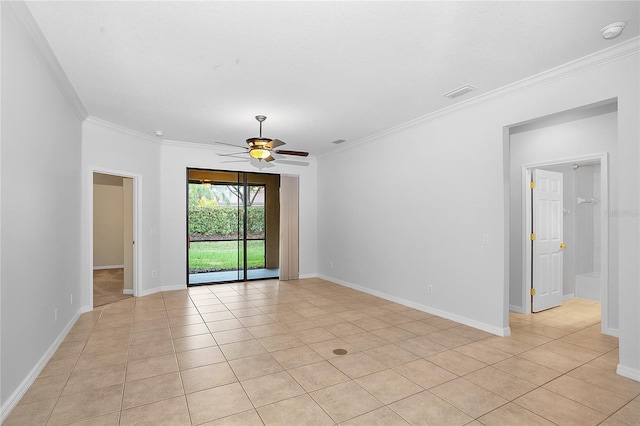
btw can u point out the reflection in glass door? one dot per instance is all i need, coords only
(231, 224)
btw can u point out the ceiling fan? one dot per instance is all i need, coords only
(262, 148)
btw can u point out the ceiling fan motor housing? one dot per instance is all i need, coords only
(258, 142)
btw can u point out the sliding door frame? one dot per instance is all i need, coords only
(271, 184)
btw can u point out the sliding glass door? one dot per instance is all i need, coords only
(233, 226)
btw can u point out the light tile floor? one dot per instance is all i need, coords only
(262, 353)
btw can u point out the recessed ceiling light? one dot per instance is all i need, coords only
(159, 133)
(459, 91)
(612, 30)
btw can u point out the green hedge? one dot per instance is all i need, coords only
(223, 222)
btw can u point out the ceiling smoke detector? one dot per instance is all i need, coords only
(612, 30)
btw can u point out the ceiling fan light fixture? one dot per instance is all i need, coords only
(259, 153)
(260, 148)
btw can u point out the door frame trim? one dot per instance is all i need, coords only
(137, 219)
(603, 159)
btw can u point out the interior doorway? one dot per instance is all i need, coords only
(587, 134)
(233, 226)
(584, 265)
(113, 237)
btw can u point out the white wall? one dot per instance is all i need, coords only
(161, 170)
(588, 219)
(579, 133)
(176, 158)
(409, 208)
(113, 150)
(626, 214)
(108, 223)
(41, 143)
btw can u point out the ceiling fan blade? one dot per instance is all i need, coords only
(232, 154)
(260, 164)
(230, 144)
(293, 163)
(275, 143)
(288, 152)
(269, 158)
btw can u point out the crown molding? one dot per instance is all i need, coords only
(121, 129)
(161, 142)
(166, 142)
(25, 18)
(602, 57)
(194, 145)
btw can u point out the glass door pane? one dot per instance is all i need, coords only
(256, 234)
(229, 226)
(216, 230)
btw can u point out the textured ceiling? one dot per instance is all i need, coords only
(320, 71)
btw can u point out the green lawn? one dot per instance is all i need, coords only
(225, 255)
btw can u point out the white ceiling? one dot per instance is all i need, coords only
(320, 71)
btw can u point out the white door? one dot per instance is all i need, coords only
(546, 238)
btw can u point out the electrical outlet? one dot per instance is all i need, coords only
(331, 265)
(71, 301)
(154, 274)
(55, 314)
(429, 288)
(485, 239)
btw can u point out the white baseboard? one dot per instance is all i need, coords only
(163, 288)
(630, 373)
(305, 276)
(127, 291)
(17, 395)
(96, 268)
(173, 287)
(612, 332)
(568, 296)
(428, 309)
(517, 309)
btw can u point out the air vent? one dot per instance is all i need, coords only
(339, 141)
(459, 91)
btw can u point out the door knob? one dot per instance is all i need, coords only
(563, 245)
